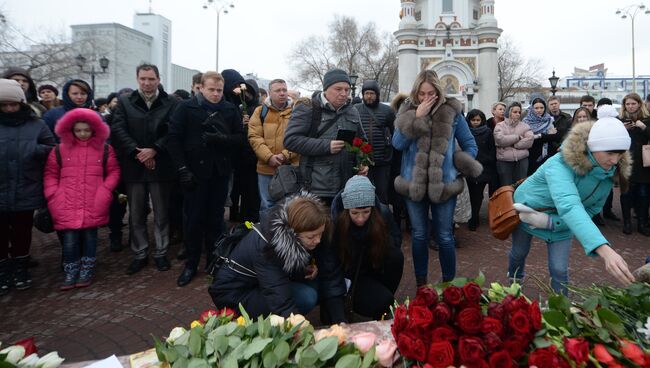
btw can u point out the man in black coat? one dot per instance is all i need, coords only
(139, 131)
(205, 131)
(561, 121)
(377, 120)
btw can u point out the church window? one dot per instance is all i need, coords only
(447, 6)
(475, 14)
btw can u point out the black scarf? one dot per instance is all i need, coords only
(16, 118)
(479, 130)
(210, 106)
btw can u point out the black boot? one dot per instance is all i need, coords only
(626, 210)
(5, 276)
(642, 211)
(22, 278)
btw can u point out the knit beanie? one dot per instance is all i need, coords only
(358, 193)
(48, 87)
(10, 91)
(335, 76)
(608, 133)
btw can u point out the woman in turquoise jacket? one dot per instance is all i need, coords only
(571, 188)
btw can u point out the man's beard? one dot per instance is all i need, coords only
(373, 103)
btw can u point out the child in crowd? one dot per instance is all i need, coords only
(80, 176)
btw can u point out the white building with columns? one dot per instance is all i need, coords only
(455, 38)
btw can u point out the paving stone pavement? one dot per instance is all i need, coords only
(118, 314)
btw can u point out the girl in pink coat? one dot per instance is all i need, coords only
(79, 189)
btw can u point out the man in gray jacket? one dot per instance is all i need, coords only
(313, 132)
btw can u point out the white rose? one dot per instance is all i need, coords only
(296, 319)
(242, 86)
(276, 320)
(14, 353)
(51, 360)
(29, 361)
(175, 333)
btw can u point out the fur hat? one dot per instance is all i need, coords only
(48, 87)
(358, 193)
(608, 133)
(334, 76)
(10, 91)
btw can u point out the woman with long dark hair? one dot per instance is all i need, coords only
(487, 156)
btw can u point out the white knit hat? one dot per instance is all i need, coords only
(608, 133)
(10, 91)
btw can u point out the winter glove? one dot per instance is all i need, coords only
(215, 138)
(186, 178)
(534, 219)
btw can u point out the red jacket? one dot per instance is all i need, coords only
(79, 193)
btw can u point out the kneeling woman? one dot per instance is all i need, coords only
(368, 243)
(573, 186)
(280, 270)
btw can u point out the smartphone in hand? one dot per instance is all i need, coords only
(345, 135)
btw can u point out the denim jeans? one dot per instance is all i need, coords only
(73, 240)
(305, 295)
(558, 259)
(442, 218)
(265, 198)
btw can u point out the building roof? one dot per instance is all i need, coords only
(112, 25)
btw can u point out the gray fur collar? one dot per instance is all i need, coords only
(433, 135)
(284, 241)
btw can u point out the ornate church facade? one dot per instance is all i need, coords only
(455, 38)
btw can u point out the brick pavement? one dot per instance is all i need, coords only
(119, 313)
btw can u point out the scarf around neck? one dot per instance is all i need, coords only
(540, 125)
(209, 106)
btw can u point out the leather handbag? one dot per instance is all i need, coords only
(502, 216)
(645, 154)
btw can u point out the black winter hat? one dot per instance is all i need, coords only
(334, 76)
(370, 84)
(604, 101)
(48, 87)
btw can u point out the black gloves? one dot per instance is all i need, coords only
(215, 138)
(186, 178)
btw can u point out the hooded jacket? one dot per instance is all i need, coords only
(432, 168)
(513, 139)
(576, 187)
(276, 264)
(53, 115)
(25, 142)
(79, 192)
(31, 94)
(379, 132)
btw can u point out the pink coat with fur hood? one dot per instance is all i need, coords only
(79, 193)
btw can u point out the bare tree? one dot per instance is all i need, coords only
(351, 47)
(515, 71)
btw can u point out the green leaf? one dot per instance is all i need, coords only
(368, 358)
(196, 341)
(603, 334)
(349, 361)
(243, 313)
(480, 279)
(180, 363)
(326, 348)
(197, 363)
(183, 351)
(282, 351)
(560, 303)
(555, 319)
(459, 281)
(229, 362)
(221, 345)
(171, 355)
(256, 346)
(607, 315)
(270, 360)
(160, 349)
(590, 304)
(308, 357)
(541, 342)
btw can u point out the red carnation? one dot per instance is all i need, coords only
(357, 142)
(469, 320)
(633, 352)
(441, 314)
(501, 359)
(425, 296)
(441, 354)
(577, 349)
(411, 348)
(492, 341)
(470, 349)
(452, 295)
(366, 148)
(535, 315)
(519, 322)
(443, 333)
(491, 324)
(472, 292)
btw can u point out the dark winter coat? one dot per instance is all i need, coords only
(562, 123)
(276, 265)
(25, 142)
(136, 126)
(31, 94)
(187, 147)
(330, 172)
(487, 153)
(379, 132)
(53, 115)
(639, 137)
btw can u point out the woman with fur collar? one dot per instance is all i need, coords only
(426, 129)
(572, 187)
(283, 268)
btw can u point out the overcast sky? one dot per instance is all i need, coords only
(257, 35)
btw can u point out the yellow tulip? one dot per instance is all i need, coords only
(241, 321)
(196, 323)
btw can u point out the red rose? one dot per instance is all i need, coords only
(602, 355)
(492, 341)
(357, 142)
(633, 352)
(469, 320)
(366, 148)
(470, 349)
(496, 310)
(419, 317)
(491, 324)
(501, 359)
(443, 333)
(535, 315)
(399, 320)
(577, 349)
(546, 358)
(516, 304)
(426, 296)
(516, 346)
(452, 295)
(472, 292)
(28, 344)
(441, 314)
(411, 347)
(519, 322)
(441, 354)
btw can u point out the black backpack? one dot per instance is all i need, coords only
(224, 247)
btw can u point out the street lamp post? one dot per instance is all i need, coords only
(353, 82)
(220, 7)
(553, 80)
(470, 96)
(103, 63)
(631, 11)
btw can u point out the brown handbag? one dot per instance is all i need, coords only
(502, 216)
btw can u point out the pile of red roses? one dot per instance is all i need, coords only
(458, 329)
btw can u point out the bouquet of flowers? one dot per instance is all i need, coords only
(362, 150)
(23, 354)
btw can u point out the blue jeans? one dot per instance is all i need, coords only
(558, 259)
(442, 219)
(265, 199)
(305, 295)
(73, 241)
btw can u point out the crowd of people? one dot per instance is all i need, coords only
(185, 157)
